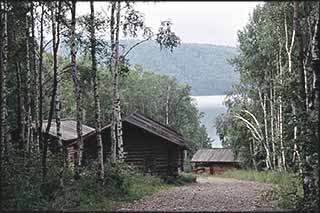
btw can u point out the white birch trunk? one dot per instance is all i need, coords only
(117, 144)
(100, 168)
(117, 71)
(76, 77)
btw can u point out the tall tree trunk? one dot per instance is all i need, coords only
(112, 68)
(3, 81)
(117, 141)
(118, 105)
(281, 118)
(316, 86)
(57, 98)
(117, 93)
(1, 129)
(293, 107)
(40, 97)
(54, 100)
(296, 25)
(35, 80)
(20, 105)
(263, 102)
(302, 100)
(76, 81)
(100, 169)
(28, 89)
(271, 102)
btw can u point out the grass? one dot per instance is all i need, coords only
(287, 186)
(121, 185)
(274, 177)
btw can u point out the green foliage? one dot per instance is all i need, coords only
(23, 188)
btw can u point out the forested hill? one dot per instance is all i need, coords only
(203, 66)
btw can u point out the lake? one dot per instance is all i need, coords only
(211, 106)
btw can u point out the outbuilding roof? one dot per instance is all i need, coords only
(214, 155)
(68, 129)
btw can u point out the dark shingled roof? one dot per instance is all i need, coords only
(214, 155)
(155, 128)
(68, 129)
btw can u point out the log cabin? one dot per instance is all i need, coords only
(148, 145)
(216, 160)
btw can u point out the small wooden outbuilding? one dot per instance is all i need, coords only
(216, 160)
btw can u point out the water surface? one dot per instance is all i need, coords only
(211, 106)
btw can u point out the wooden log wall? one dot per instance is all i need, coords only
(149, 153)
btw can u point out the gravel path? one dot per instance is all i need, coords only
(209, 194)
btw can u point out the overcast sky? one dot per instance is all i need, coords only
(195, 22)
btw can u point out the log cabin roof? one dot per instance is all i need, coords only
(214, 155)
(156, 128)
(68, 129)
(153, 127)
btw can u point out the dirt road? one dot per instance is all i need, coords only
(209, 194)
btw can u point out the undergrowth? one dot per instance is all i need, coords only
(22, 187)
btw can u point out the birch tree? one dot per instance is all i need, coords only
(75, 78)
(35, 78)
(40, 79)
(100, 168)
(28, 67)
(116, 125)
(55, 9)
